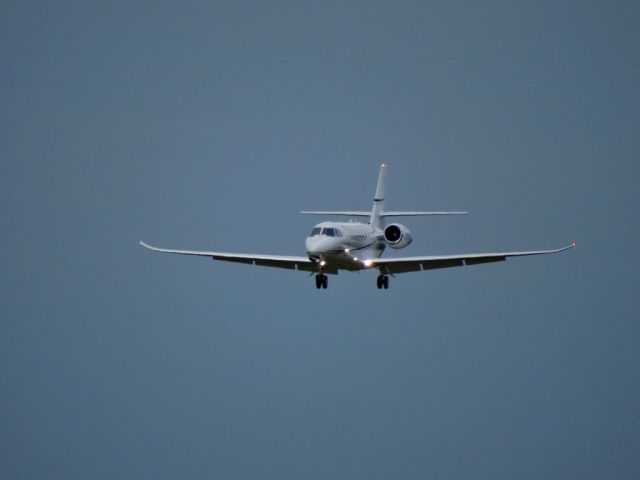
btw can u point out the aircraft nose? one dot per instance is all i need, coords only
(313, 244)
(318, 245)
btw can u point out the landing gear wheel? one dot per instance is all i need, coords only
(322, 281)
(383, 281)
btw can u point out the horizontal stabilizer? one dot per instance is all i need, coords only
(355, 213)
(341, 213)
(418, 214)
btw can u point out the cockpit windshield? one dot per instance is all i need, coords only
(332, 232)
(329, 232)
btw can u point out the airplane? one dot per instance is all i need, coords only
(356, 246)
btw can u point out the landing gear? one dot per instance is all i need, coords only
(322, 281)
(383, 281)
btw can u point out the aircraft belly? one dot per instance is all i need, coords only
(343, 261)
(353, 260)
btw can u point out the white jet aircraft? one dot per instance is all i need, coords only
(355, 246)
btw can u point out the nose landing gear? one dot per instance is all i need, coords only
(383, 281)
(322, 281)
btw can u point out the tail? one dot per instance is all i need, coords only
(377, 211)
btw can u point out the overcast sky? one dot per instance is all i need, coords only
(210, 125)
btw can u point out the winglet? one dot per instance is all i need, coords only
(574, 244)
(145, 245)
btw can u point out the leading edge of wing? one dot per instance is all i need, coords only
(282, 261)
(474, 255)
(408, 264)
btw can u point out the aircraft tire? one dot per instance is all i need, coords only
(325, 281)
(385, 282)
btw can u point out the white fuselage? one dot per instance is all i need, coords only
(345, 244)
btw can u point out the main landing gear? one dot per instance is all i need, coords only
(383, 281)
(322, 281)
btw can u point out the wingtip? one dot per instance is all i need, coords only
(574, 244)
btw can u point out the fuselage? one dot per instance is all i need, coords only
(345, 244)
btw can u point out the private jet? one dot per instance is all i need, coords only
(354, 246)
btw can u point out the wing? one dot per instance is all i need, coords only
(416, 264)
(278, 261)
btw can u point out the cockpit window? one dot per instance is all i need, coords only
(329, 232)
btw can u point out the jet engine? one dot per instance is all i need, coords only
(397, 236)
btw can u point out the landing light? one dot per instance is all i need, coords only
(323, 263)
(346, 250)
(368, 263)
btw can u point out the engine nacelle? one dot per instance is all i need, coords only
(397, 236)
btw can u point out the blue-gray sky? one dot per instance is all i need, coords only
(210, 125)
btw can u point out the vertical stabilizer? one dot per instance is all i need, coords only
(378, 200)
